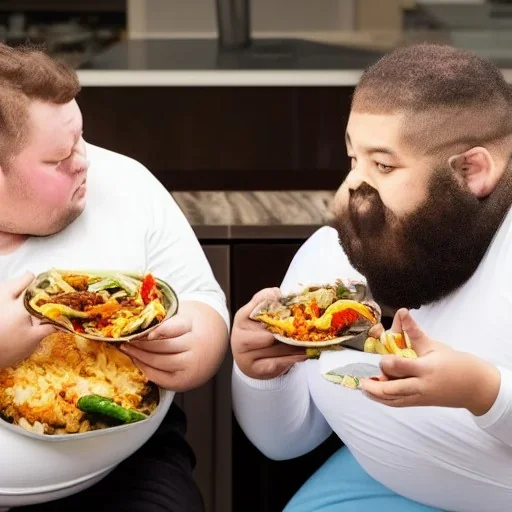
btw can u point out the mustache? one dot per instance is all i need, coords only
(366, 210)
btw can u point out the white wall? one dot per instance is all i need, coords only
(177, 17)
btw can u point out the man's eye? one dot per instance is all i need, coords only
(384, 168)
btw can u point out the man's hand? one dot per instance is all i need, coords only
(183, 352)
(255, 350)
(20, 333)
(441, 376)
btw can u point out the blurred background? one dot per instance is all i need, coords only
(78, 30)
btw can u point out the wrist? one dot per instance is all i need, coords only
(485, 386)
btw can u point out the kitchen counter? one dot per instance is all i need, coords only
(255, 215)
(199, 62)
(268, 62)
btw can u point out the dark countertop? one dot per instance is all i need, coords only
(256, 214)
(204, 54)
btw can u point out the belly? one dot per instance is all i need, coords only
(437, 456)
(36, 470)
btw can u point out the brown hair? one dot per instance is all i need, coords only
(28, 74)
(455, 98)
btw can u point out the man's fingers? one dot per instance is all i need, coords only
(247, 341)
(375, 331)
(399, 367)
(164, 362)
(258, 298)
(276, 366)
(391, 389)
(158, 346)
(279, 350)
(402, 401)
(16, 286)
(171, 328)
(42, 330)
(166, 380)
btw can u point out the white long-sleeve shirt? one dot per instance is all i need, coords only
(442, 457)
(130, 223)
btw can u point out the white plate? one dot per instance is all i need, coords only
(356, 341)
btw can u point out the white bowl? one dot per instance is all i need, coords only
(35, 468)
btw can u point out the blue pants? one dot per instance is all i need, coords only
(342, 485)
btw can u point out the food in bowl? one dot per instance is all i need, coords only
(101, 305)
(72, 385)
(320, 315)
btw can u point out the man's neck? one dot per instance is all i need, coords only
(9, 242)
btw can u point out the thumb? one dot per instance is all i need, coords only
(17, 285)
(39, 332)
(267, 294)
(404, 323)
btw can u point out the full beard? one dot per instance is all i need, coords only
(422, 258)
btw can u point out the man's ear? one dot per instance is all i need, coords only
(478, 170)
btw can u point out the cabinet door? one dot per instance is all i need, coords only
(208, 411)
(260, 484)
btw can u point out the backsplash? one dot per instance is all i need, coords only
(175, 17)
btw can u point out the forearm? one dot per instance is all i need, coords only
(278, 415)
(210, 338)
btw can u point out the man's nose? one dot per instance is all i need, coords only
(79, 165)
(356, 177)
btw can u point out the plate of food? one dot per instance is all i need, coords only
(101, 305)
(326, 315)
(73, 387)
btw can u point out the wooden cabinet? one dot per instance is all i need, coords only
(225, 138)
(208, 411)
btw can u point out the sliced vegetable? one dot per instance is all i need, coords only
(148, 289)
(347, 381)
(101, 405)
(409, 353)
(342, 292)
(390, 343)
(104, 284)
(344, 318)
(54, 311)
(77, 326)
(369, 344)
(388, 340)
(380, 348)
(324, 322)
(127, 283)
(407, 340)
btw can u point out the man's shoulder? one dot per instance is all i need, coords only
(121, 173)
(319, 260)
(103, 158)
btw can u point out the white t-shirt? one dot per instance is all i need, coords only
(442, 457)
(130, 223)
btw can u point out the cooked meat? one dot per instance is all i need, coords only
(76, 300)
(41, 392)
(129, 302)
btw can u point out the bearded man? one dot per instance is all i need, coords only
(424, 218)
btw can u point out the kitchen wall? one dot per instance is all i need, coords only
(154, 18)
